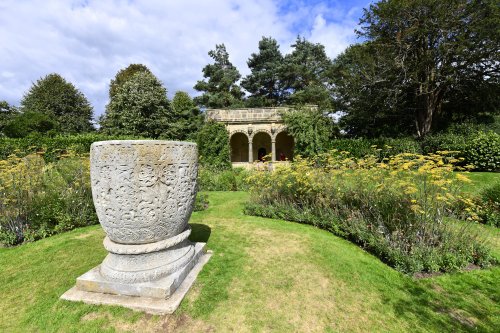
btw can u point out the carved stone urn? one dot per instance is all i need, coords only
(143, 192)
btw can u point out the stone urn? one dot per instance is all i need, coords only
(144, 193)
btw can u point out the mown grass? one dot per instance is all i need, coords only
(480, 180)
(265, 275)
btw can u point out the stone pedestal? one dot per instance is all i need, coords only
(144, 193)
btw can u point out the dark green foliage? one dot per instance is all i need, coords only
(30, 123)
(490, 205)
(364, 91)
(220, 89)
(186, 118)
(438, 51)
(306, 73)
(124, 75)
(382, 147)
(264, 82)
(483, 151)
(311, 129)
(59, 100)
(213, 146)
(233, 179)
(6, 113)
(139, 107)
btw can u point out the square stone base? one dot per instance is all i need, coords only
(162, 296)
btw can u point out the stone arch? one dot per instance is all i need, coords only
(261, 130)
(261, 143)
(238, 143)
(284, 146)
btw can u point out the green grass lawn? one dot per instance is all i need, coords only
(480, 180)
(265, 275)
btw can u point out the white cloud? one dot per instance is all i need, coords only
(87, 42)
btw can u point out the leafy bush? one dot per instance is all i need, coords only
(213, 146)
(386, 147)
(449, 141)
(483, 151)
(396, 208)
(489, 206)
(24, 124)
(223, 180)
(38, 199)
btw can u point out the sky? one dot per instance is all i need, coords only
(89, 41)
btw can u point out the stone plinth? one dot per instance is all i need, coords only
(144, 193)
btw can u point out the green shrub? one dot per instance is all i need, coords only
(445, 142)
(382, 147)
(213, 146)
(38, 199)
(23, 124)
(222, 180)
(395, 208)
(483, 151)
(489, 206)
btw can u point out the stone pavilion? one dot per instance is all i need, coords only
(255, 133)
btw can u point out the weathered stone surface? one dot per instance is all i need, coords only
(150, 305)
(94, 281)
(144, 192)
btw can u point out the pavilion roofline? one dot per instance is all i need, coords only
(249, 115)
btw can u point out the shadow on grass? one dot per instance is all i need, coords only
(458, 302)
(199, 232)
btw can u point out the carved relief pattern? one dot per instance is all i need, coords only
(143, 192)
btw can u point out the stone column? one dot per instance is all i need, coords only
(273, 155)
(250, 150)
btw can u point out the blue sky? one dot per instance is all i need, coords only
(87, 42)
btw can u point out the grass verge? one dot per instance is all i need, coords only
(265, 275)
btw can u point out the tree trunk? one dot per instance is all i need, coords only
(430, 106)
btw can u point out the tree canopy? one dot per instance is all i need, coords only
(306, 74)
(139, 107)
(59, 100)
(124, 75)
(438, 50)
(186, 118)
(219, 87)
(264, 82)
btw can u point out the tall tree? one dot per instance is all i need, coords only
(436, 46)
(125, 74)
(186, 118)
(363, 91)
(6, 113)
(306, 73)
(220, 88)
(264, 83)
(139, 107)
(61, 101)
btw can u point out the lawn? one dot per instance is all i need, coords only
(265, 275)
(481, 180)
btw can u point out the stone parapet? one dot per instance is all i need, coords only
(248, 115)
